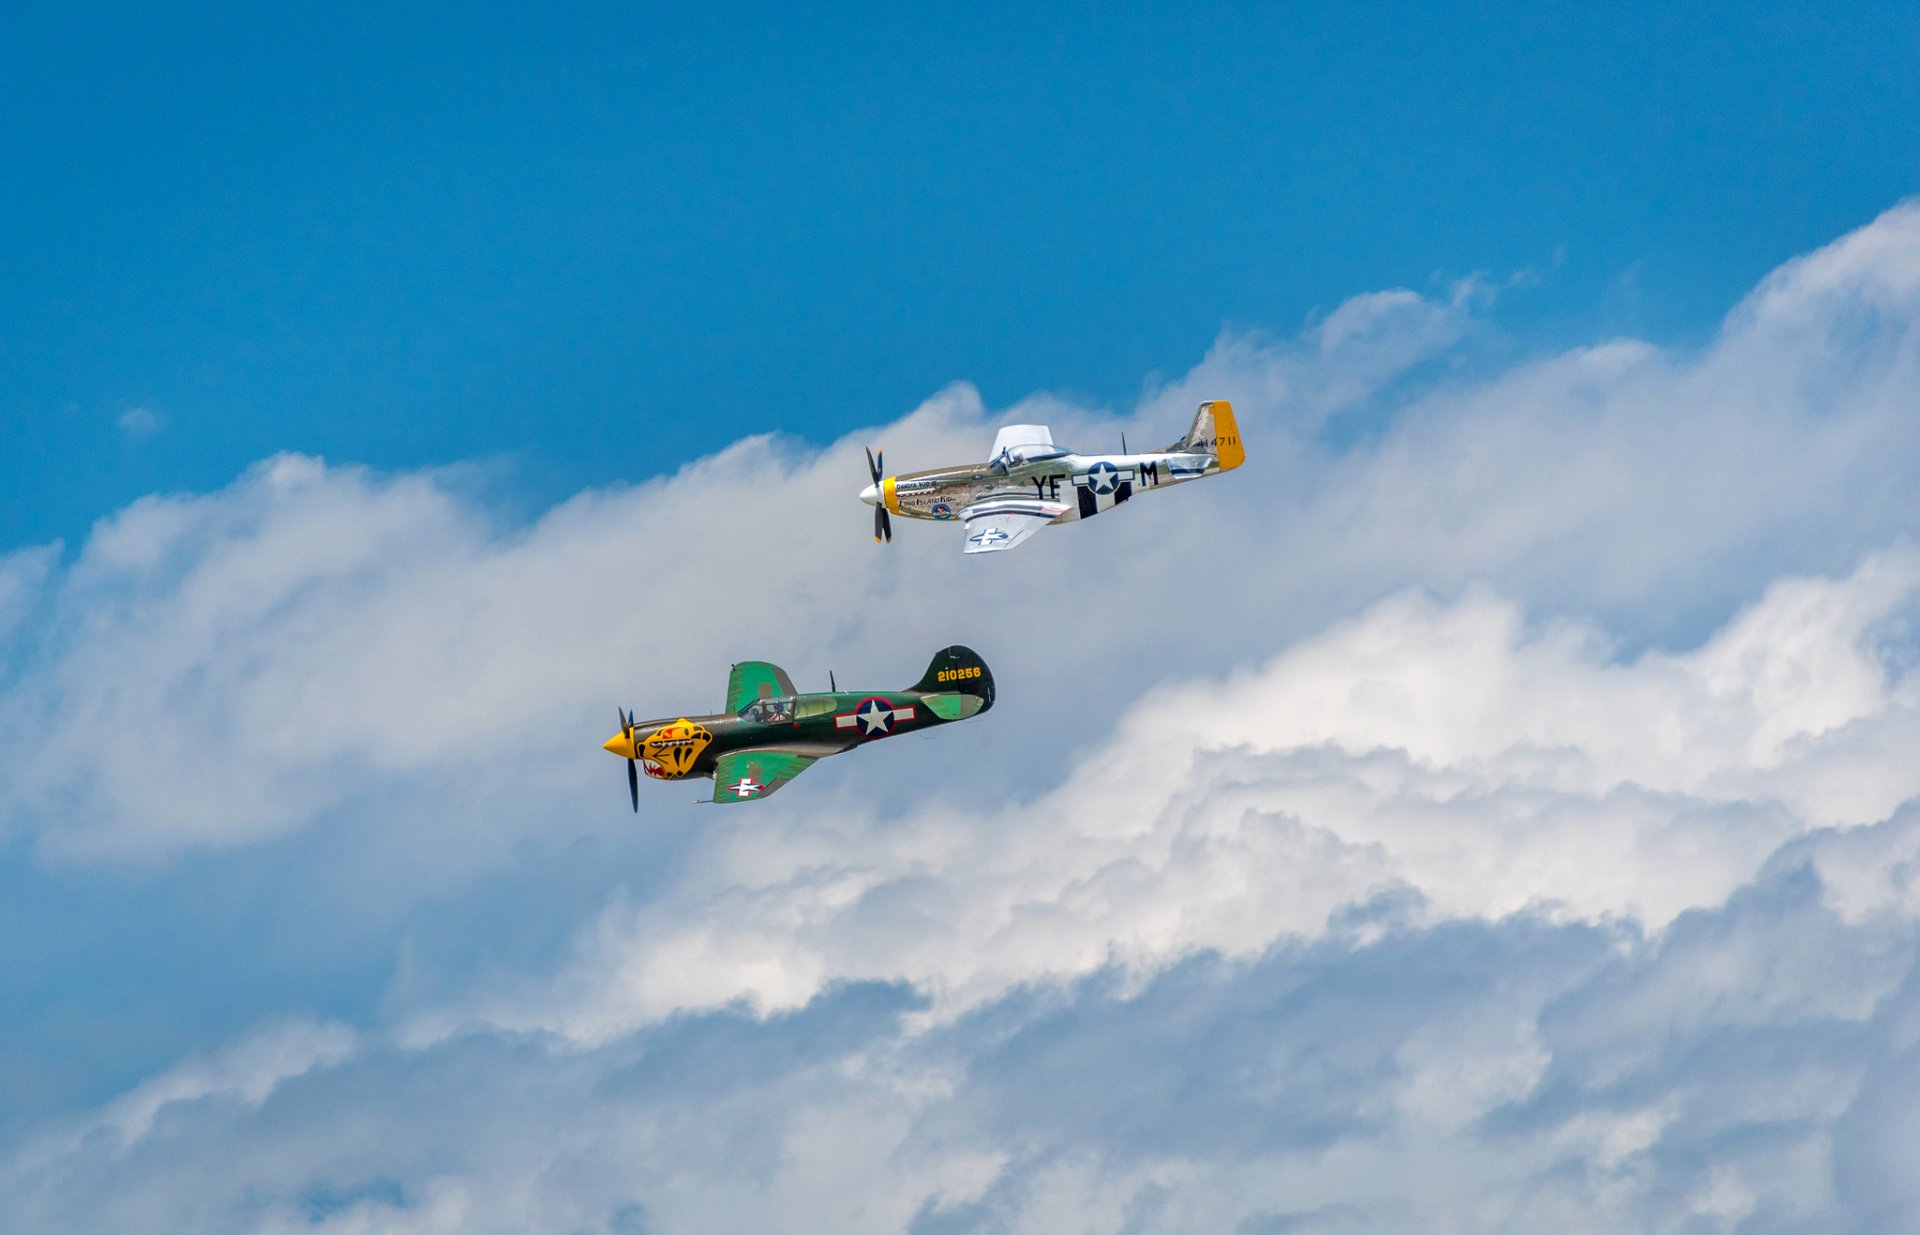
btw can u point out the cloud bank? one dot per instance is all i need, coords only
(1488, 811)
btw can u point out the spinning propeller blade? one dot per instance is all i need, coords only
(633, 769)
(882, 524)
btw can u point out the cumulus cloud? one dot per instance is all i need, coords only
(1505, 1076)
(23, 578)
(1450, 751)
(247, 1072)
(315, 631)
(1486, 811)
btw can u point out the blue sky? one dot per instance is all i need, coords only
(1491, 806)
(611, 239)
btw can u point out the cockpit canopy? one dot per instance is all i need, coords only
(769, 711)
(1027, 455)
(1037, 452)
(1018, 446)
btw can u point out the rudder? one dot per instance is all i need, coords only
(1214, 432)
(958, 670)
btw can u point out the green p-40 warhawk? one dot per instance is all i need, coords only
(1029, 481)
(769, 734)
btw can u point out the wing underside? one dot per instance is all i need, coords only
(996, 523)
(747, 775)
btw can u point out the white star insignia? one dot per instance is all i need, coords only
(875, 717)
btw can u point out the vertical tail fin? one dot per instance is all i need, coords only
(958, 670)
(1214, 432)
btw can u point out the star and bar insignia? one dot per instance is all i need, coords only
(874, 718)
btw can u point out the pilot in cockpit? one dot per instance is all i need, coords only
(768, 711)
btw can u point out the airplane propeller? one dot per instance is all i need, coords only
(882, 525)
(633, 769)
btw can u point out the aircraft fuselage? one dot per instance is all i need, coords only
(820, 724)
(1086, 484)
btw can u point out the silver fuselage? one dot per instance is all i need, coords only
(1086, 484)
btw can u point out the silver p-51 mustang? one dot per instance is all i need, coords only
(1030, 481)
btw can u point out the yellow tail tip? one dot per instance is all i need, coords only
(1226, 436)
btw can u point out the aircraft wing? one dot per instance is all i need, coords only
(1003, 521)
(746, 775)
(756, 679)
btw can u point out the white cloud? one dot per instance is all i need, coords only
(1493, 820)
(245, 1073)
(1448, 749)
(23, 578)
(1511, 1076)
(248, 1071)
(313, 635)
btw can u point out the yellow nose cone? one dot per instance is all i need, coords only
(620, 744)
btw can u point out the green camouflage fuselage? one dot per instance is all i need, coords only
(818, 725)
(773, 733)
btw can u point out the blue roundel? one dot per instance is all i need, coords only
(1103, 477)
(874, 718)
(940, 510)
